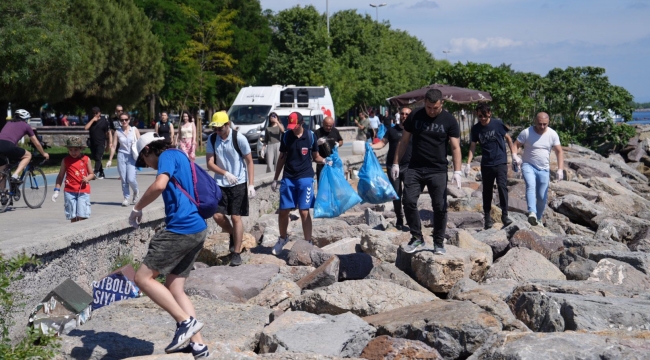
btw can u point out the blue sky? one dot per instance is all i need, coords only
(532, 36)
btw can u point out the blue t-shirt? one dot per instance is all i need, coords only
(228, 158)
(490, 137)
(181, 215)
(298, 154)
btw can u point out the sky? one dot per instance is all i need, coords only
(531, 36)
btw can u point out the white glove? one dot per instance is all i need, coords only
(560, 174)
(321, 141)
(55, 195)
(516, 159)
(394, 171)
(251, 191)
(457, 178)
(328, 162)
(274, 185)
(336, 145)
(135, 218)
(109, 163)
(466, 170)
(232, 180)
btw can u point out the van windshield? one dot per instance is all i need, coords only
(248, 114)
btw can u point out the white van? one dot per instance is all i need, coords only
(250, 111)
(312, 118)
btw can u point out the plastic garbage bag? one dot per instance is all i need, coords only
(381, 131)
(335, 195)
(374, 186)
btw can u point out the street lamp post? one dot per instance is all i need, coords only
(446, 52)
(377, 6)
(327, 10)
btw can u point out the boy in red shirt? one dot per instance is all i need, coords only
(78, 173)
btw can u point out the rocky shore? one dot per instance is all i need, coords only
(576, 288)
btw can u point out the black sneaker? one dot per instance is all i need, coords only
(439, 249)
(232, 244)
(184, 331)
(506, 221)
(15, 181)
(413, 245)
(101, 176)
(488, 222)
(201, 353)
(235, 259)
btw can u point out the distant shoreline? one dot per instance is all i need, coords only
(642, 110)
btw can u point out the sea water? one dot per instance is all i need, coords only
(640, 117)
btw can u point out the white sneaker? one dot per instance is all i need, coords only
(277, 248)
(125, 202)
(532, 218)
(136, 197)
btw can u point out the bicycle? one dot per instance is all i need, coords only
(34, 185)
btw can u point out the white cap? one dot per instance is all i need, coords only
(144, 140)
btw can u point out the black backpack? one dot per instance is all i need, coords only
(235, 144)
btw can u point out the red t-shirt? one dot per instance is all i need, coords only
(76, 170)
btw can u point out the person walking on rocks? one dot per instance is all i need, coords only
(99, 132)
(126, 137)
(538, 140)
(392, 138)
(229, 156)
(172, 251)
(431, 127)
(490, 133)
(77, 172)
(298, 148)
(328, 138)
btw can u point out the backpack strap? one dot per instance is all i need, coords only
(213, 141)
(235, 143)
(194, 180)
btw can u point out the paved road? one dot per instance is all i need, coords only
(48, 222)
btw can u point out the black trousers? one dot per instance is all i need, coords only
(96, 154)
(500, 174)
(414, 182)
(397, 185)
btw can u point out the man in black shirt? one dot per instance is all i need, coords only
(99, 131)
(328, 138)
(431, 128)
(392, 138)
(490, 133)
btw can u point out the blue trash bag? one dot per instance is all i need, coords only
(374, 186)
(381, 132)
(337, 163)
(335, 195)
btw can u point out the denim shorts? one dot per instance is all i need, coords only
(297, 194)
(76, 205)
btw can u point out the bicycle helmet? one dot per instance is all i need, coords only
(22, 115)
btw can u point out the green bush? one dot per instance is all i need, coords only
(35, 345)
(602, 137)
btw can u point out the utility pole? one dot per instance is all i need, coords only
(327, 10)
(446, 52)
(377, 6)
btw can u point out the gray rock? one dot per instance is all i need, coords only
(215, 250)
(530, 240)
(455, 328)
(614, 229)
(465, 219)
(327, 231)
(496, 238)
(642, 245)
(563, 188)
(465, 240)
(522, 264)
(382, 244)
(295, 273)
(501, 288)
(258, 229)
(580, 269)
(584, 245)
(277, 295)
(374, 220)
(139, 327)
(564, 346)
(389, 348)
(494, 305)
(325, 275)
(549, 312)
(300, 253)
(578, 209)
(578, 288)
(591, 168)
(356, 266)
(343, 246)
(619, 273)
(360, 297)
(290, 355)
(390, 272)
(232, 284)
(640, 260)
(344, 335)
(620, 165)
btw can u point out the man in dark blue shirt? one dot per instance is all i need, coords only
(490, 133)
(298, 148)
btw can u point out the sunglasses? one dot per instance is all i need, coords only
(405, 114)
(124, 120)
(218, 128)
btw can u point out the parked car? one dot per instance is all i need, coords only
(35, 122)
(74, 120)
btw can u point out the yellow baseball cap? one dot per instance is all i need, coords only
(219, 119)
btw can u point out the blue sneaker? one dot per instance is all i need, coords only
(413, 245)
(184, 331)
(439, 249)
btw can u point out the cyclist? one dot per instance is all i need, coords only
(11, 133)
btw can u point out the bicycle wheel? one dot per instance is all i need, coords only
(5, 190)
(34, 188)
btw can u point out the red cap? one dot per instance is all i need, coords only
(295, 118)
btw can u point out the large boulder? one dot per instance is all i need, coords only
(589, 168)
(578, 288)
(390, 272)
(327, 231)
(382, 244)
(439, 273)
(344, 335)
(455, 328)
(465, 219)
(565, 346)
(303, 253)
(361, 297)
(137, 327)
(493, 304)
(389, 348)
(619, 273)
(343, 246)
(497, 239)
(356, 266)
(522, 264)
(530, 240)
(614, 229)
(215, 250)
(549, 312)
(562, 188)
(640, 260)
(465, 240)
(325, 275)
(578, 209)
(501, 288)
(232, 284)
(277, 295)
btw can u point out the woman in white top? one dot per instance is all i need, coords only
(187, 135)
(127, 136)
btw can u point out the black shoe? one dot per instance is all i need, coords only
(235, 259)
(101, 176)
(413, 245)
(488, 222)
(506, 221)
(15, 181)
(201, 353)
(399, 224)
(232, 243)
(184, 331)
(439, 249)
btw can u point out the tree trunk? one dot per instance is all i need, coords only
(152, 108)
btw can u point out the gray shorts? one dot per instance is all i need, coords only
(171, 253)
